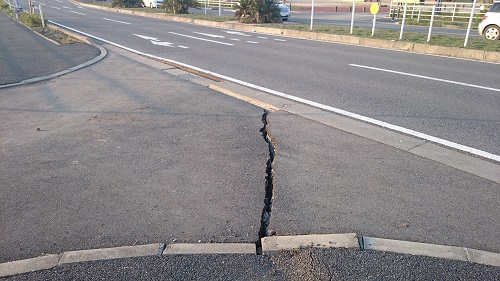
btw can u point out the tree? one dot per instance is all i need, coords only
(127, 3)
(257, 11)
(179, 6)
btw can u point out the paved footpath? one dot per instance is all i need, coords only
(129, 151)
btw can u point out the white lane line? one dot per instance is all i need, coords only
(77, 13)
(237, 33)
(55, 7)
(261, 37)
(42, 4)
(280, 40)
(427, 77)
(66, 8)
(210, 35)
(183, 47)
(308, 102)
(116, 21)
(252, 42)
(202, 39)
(235, 39)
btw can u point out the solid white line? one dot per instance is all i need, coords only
(308, 102)
(77, 13)
(427, 77)
(202, 39)
(210, 35)
(116, 21)
(235, 39)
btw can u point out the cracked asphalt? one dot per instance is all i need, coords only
(121, 153)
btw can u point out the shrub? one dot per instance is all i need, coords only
(257, 11)
(127, 3)
(32, 20)
(179, 6)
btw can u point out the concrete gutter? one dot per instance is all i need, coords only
(345, 39)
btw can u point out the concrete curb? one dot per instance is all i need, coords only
(102, 55)
(274, 244)
(50, 261)
(345, 39)
(430, 250)
(270, 245)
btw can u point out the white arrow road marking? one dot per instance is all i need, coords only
(147, 37)
(209, 35)
(167, 44)
(77, 13)
(237, 33)
(116, 21)
(202, 39)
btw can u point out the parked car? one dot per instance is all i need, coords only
(152, 3)
(490, 26)
(284, 11)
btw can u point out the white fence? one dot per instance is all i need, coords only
(445, 11)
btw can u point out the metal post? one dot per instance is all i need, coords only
(419, 12)
(220, 8)
(312, 14)
(205, 4)
(470, 23)
(403, 22)
(41, 15)
(431, 23)
(352, 17)
(454, 11)
(373, 27)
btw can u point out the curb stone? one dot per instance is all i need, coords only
(270, 245)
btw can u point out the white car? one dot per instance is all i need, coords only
(490, 26)
(284, 11)
(152, 3)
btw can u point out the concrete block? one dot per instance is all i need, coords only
(414, 248)
(28, 265)
(109, 253)
(210, 248)
(483, 257)
(274, 244)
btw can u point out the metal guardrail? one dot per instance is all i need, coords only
(445, 11)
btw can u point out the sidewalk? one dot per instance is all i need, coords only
(130, 151)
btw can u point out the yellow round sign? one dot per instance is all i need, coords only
(374, 8)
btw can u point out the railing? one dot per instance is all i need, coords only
(444, 11)
(216, 3)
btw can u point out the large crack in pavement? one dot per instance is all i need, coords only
(265, 220)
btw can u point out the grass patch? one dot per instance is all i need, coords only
(56, 35)
(413, 37)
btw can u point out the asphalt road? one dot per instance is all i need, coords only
(126, 154)
(120, 153)
(455, 100)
